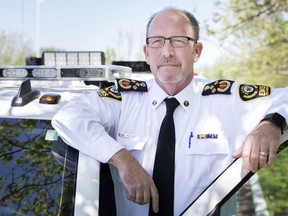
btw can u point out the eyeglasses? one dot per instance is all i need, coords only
(175, 41)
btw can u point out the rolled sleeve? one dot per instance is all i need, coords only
(88, 123)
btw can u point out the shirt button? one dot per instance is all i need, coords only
(154, 103)
(186, 103)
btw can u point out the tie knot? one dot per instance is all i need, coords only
(171, 104)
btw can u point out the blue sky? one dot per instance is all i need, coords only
(93, 25)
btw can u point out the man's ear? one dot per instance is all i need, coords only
(146, 53)
(198, 51)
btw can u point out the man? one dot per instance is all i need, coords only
(213, 120)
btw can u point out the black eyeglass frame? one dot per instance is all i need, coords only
(169, 38)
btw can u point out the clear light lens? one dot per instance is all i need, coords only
(61, 59)
(84, 58)
(120, 71)
(72, 58)
(15, 72)
(45, 73)
(91, 72)
(95, 58)
(49, 59)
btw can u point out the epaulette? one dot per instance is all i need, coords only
(110, 92)
(131, 85)
(218, 87)
(249, 92)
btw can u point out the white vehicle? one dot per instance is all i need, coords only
(40, 174)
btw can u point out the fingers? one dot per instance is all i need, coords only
(248, 156)
(260, 147)
(254, 160)
(271, 157)
(144, 194)
(267, 158)
(255, 156)
(140, 196)
(131, 195)
(238, 153)
(263, 158)
(154, 199)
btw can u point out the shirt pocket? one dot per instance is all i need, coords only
(208, 147)
(208, 157)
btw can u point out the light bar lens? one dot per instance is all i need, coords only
(44, 73)
(96, 73)
(95, 58)
(91, 72)
(72, 58)
(49, 59)
(15, 72)
(59, 58)
(84, 59)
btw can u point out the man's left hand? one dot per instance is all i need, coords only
(260, 147)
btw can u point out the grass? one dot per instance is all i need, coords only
(274, 183)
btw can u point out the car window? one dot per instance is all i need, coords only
(34, 178)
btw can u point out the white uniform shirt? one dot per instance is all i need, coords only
(208, 130)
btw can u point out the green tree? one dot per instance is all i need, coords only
(30, 178)
(255, 34)
(110, 55)
(275, 185)
(13, 49)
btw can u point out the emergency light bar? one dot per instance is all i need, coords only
(92, 73)
(59, 58)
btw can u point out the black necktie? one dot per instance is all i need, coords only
(163, 174)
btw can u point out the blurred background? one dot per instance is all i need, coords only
(243, 40)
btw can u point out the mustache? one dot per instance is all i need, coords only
(164, 61)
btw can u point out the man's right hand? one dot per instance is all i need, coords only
(139, 185)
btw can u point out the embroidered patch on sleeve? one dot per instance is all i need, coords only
(218, 87)
(110, 92)
(131, 85)
(249, 92)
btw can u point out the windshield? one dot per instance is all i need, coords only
(32, 181)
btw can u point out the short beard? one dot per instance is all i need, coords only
(170, 79)
(166, 78)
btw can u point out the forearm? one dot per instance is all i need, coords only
(101, 146)
(82, 126)
(139, 185)
(280, 103)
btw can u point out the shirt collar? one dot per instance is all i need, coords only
(185, 97)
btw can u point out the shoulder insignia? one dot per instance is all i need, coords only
(218, 87)
(249, 92)
(110, 92)
(131, 85)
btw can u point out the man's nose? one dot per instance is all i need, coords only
(167, 49)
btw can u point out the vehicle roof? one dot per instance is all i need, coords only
(68, 86)
(36, 110)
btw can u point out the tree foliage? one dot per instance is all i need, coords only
(31, 181)
(255, 34)
(13, 49)
(275, 185)
(110, 55)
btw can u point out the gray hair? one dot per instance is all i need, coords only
(190, 16)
